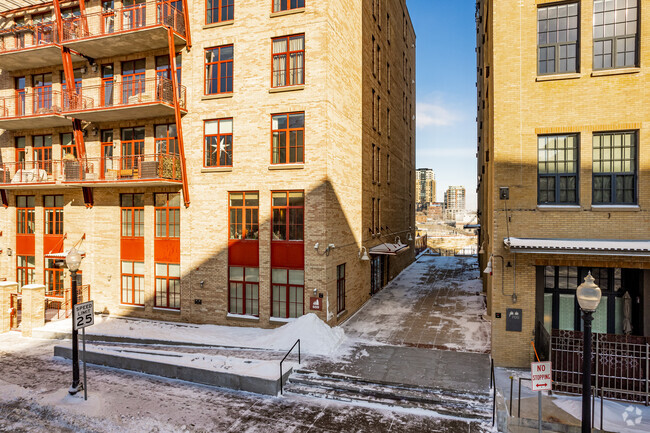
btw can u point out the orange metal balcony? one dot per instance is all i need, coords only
(29, 47)
(139, 28)
(41, 109)
(141, 170)
(136, 99)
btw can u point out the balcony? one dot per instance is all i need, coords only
(141, 170)
(117, 32)
(29, 47)
(41, 109)
(135, 99)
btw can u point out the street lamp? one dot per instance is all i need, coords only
(72, 261)
(588, 295)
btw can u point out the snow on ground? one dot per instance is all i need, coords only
(617, 417)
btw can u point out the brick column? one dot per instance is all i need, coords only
(6, 289)
(33, 308)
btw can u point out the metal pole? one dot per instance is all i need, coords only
(83, 333)
(539, 411)
(519, 400)
(75, 340)
(593, 401)
(586, 374)
(511, 384)
(647, 374)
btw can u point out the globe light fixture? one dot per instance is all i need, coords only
(588, 294)
(73, 260)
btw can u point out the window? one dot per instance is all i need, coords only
(387, 168)
(374, 57)
(378, 114)
(68, 146)
(288, 135)
(108, 16)
(20, 151)
(168, 286)
(132, 149)
(168, 215)
(25, 270)
(615, 33)
(288, 210)
(69, 102)
(218, 70)
(218, 143)
(132, 283)
(374, 165)
(42, 93)
(19, 92)
(340, 288)
(557, 39)
(107, 151)
(53, 279)
(133, 81)
(244, 214)
(614, 168)
(288, 292)
(42, 145)
(166, 139)
(288, 61)
(374, 109)
(378, 162)
(243, 290)
(557, 169)
(132, 206)
(163, 68)
(219, 10)
(388, 30)
(284, 5)
(108, 85)
(379, 62)
(388, 121)
(25, 214)
(53, 209)
(388, 77)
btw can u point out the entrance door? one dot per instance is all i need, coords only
(107, 152)
(16, 307)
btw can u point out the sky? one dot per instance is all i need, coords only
(446, 92)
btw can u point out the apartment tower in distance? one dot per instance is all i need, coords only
(564, 182)
(425, 187)
(454, 203)
(221, 161)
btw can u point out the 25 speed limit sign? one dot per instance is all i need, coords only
(83, 315)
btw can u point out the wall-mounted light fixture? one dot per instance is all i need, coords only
(363, 257)
(202, 283)
(9, 252)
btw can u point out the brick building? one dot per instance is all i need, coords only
(425, 188)
(563, 159)
(218, 161)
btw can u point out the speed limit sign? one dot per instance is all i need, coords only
(83, 315)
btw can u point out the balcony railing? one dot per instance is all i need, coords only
(27, 37)
(139, 168)
(36, 103)
(127, 19)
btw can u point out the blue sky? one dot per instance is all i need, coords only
(446, 92)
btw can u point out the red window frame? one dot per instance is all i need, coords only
(249, 299)
(53, 279)
(68, 149)
(42, 94)
(166, 135)
(108, 85)
(287, 216)
(340, 288)
(277, 305)
(243, 221)
(43, 153)
(133, 81)
(106, 151)
(133, 149)
(221, 5)
(164, 70)
(25, 214)
(108, 17)
(135, 226)
(227, 64)
(135, 293)
(289, 73)
(167, 287)
(25, 274)
(169, 206)
(295, 152)
(19, 95)
(276, 5)
(20, 151)
(53, 214)
(215, 140)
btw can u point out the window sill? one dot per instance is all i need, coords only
(281, 320)
(220, 24)
(286, 89)
(132, 307)
(242, 317)
(216, 169)
(217, 96)
(619, 71)
(167, 310)
(287, 12)
(558, 207)
(615, 208)
(342, 313)
(286, 167)
(554, 77)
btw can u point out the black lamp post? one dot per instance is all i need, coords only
(72, 261)
(588, 295)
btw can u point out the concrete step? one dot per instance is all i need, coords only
(348, 389)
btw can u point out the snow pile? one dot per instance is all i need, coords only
(316, 337)
(619, 417)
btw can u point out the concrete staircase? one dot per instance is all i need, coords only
(345, 388)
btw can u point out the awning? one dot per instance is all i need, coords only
(61, 255)
(608, 247)
(472, 226)
(388, 249)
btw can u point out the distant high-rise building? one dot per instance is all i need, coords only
(454, 203)
(425, 187)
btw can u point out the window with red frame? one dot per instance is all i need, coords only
(288, 287)
(133, 81)
(288, 138)
(285, 5)
(132, 148)
(42, 146)
(288, 208)
(25, 270)
(218, 143)
(243, 290)
(244, 214)
(25, 214)
(53, 279)
(68, 146)
(53, 210)
(218, 11)
(219, 70)
(340, 288)
(132, 207)
(166, 139)
(288, 61)
(168, 215)
(163, 68)
(19, 94)
(132, 283)
(168, 285)
(20, 153)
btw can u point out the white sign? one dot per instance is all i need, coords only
(83, 315)
(541, 376)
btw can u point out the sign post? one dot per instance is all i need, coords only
(541, 379)
(83, 315)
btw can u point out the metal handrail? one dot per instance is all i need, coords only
(285, 357)
(493, 385)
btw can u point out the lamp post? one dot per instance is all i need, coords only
(72, 261)
(588, 295)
